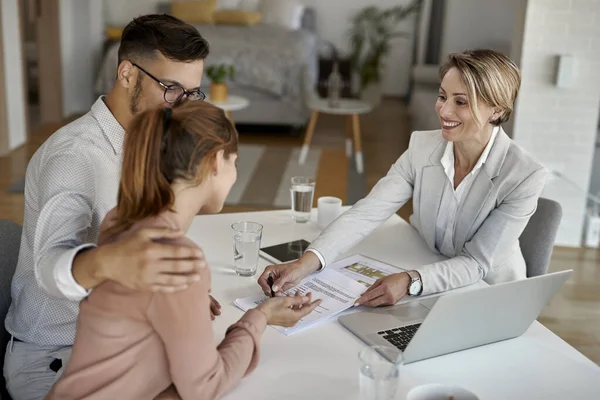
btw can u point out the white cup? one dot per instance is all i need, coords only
(437, 391)
(328, 209)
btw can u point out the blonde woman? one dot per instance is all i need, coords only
(473, 189)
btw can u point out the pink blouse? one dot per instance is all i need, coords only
(141, 345)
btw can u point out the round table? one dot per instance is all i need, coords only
(233, 103)
(349, 108)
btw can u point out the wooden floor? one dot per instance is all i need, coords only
(574, 314)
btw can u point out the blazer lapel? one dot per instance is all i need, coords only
(495, 160)
(470, 209)
(480, 190)
(432, 188)
(433, 181)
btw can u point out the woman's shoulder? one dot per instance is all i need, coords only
(519, 159)
(423, 144)
(426, 138)
(106, 235)
(115, 299)
(183, 240)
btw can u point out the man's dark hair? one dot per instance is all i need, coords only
(170, 36)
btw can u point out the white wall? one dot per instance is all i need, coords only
(13, 74)
(333, 23)
(81, 37)
(470, 24)
(595, 178)
(121, 12)
(559, 125)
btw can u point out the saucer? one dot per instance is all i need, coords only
(438, 391)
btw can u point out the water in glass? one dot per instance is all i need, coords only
(378, 375)
(302, 191)
(246, 245)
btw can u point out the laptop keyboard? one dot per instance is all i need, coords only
(400, 337)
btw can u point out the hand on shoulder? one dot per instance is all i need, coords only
(157, 259)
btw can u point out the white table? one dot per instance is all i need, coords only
(322, 362)
(351, 109)
(233, 103)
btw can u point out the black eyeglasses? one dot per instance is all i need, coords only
(174, 93)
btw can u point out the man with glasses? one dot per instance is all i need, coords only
(174, 92)
(71, 184)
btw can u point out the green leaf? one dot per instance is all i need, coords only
(370, 35)
(220, 73)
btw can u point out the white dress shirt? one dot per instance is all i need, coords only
(451, 199)
(71, 184)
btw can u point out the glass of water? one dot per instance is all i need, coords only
(246, 244)
(379, 372)
(302, 191)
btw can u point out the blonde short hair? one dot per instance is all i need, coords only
(488, 76)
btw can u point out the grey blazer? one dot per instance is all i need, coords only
(489, 222)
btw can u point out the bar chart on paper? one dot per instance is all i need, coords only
(338, 287)
(364, 270)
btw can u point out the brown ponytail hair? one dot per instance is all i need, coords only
(165, 145)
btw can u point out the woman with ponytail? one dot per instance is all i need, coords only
(129, 344)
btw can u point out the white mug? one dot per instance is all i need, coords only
(328, 209)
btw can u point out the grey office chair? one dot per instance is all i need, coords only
(10, 241)
(537, 240)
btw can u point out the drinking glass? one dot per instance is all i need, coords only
(379, 372)
(302, 191)
(246, 245)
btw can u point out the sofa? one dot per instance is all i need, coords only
(276, 68)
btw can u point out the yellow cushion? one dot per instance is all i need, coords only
(237, 17)
(113, 32)
(195, 12)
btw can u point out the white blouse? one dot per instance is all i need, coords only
(452, 199)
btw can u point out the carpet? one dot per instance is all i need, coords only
(264, 174)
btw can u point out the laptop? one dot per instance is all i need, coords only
(456, 321)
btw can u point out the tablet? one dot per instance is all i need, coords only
(285, 252)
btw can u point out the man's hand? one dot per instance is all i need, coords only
(108, 222)
(286, 276)
(139, 262)
(215, 308)
(386, 291)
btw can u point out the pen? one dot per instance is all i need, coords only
(270, 281)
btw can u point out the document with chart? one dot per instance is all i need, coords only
(338, 286)
(364, 270)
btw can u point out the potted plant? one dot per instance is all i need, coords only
(218, 75)
(370, 36)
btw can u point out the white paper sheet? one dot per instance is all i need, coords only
(338, 286)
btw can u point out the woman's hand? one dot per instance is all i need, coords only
(286, 276)
(286, 311)
(215, 308)
(386, 291)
